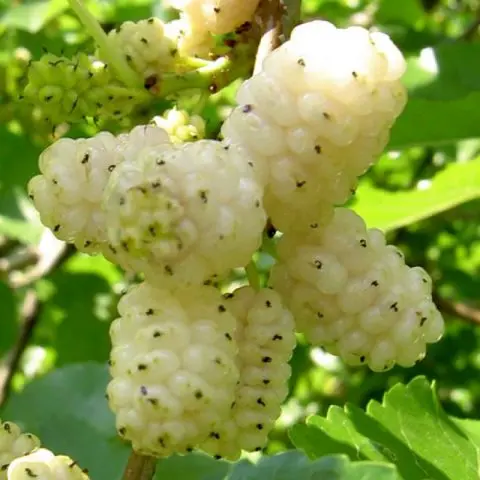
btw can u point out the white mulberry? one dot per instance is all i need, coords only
(180, 126)
(68, 193)
(146, 46)
(216, 16)
(45, 465)
(266, 338)
(13, 444)
(185, 213)
(353, 295)
(173, 367)
(318, 114)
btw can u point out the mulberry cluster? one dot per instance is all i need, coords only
(13, 444)
(69, 90)
(173, 367)
(353, 295)
(45, 465)
(192, 369)
(318, 115)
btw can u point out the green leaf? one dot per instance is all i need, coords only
(407, 12)
(194, 466)
(76, 318)
(18, 158)
(32, 16)
(294, 465)
(444, 97)
(457, 184)
(67, 409)
(409, 429)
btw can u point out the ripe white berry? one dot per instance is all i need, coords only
(216, 16)
(318, 114)
(42, 464)
(68, 193)
(13, 444)
(180, 126)
(173, 367)
(265, 337)
(146, 46)
(353, 295)
(186, 213)
(190, 38)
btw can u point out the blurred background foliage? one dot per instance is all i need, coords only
(424, 191)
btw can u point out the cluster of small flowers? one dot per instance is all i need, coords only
(191, 369)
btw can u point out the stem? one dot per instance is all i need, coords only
(108, 52)
(270, 13)
(253, 276)
(214, 76)
(140, 467)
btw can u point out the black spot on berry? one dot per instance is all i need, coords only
(268, 304)
(267, 359)
(374, 283)
(228, 295)
(141, 366)
(354, 74)
(363, 243)
(214, 435)
(326, 116)
(423, 320)
(318, 264)
(261, 402)
(362, 358)
(157, 334)
(152, 401)
(56, 228)
(217, 457)
(111, 168)
(168, 270)
(277, 337)
(258, 449)
(203, 196)
(259, 426)
(265, 381)
(318, 149)
(221, 308)
(394, 306)
(300, 183)
(301, 62)
(144, 41)
(122, 431)
(216, 9)
(143, 390)
(198, 394)
(247, 108)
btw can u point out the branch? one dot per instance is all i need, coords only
(139, 467)
(458, 309)
(470, 32)
(29, 314)
(269, 16)
(51, 253)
